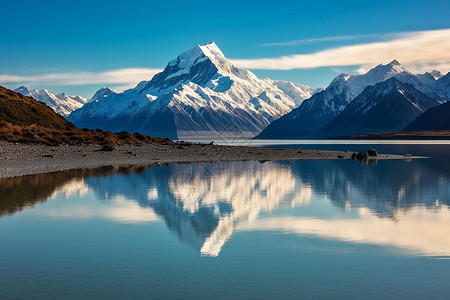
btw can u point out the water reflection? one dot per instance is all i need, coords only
(388, 189)
(418, 231)
(17, 193)
(395, 203)
(206, 203)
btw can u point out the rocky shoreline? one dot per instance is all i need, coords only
(27, 159)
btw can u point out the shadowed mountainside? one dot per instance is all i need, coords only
(436, 118)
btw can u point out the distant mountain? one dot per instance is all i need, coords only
(200, 94)
(313, 114)
(61, 103)
(430, 78)
(387, 106)
(436, 118)
(18, 109)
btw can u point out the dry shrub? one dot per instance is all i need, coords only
(15, 133)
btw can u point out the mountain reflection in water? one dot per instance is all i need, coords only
(394, 203)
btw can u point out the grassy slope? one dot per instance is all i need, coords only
(24, 111)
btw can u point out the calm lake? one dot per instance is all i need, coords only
(336, 229)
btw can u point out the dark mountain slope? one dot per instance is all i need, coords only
(436, 118)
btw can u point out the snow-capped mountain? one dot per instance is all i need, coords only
(200, 94)
(313, 114)
(387, 106)
(62, 103)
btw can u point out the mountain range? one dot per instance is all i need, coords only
(384, 107)
(379, 107)
(62, 103)
(200, 94)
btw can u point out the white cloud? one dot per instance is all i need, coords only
(419, 50)
(125, 77)
(325, 39)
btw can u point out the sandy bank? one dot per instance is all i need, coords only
(27, 159)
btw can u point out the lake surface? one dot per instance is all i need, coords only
(336, 229)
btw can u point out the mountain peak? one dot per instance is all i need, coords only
(22, 87)
(211, 45)
(436, 74)
(199, 65)
(102, 93)
(211, 50)
(383, 72)
(199, 52)
(342, 77)
(394, 63)
(44, 92)
(216, 56)
(23, 90)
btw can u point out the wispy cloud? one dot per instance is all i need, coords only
(124, 77)
(419, 49)
(326, 39)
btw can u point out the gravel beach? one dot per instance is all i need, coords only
(27, 159)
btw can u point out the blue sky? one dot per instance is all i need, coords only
(80, 46)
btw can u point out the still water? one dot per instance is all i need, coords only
(335, 229)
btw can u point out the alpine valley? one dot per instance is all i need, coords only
(200, 94)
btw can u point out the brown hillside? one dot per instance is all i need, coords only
(25, 111)
(26, 120)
